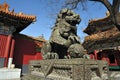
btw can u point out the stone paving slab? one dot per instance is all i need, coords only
(7, 74)
(11, 79)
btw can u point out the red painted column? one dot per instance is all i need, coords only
(7, 50)
(12, 48)
(11, 54)
(92, 56)
(95, 53)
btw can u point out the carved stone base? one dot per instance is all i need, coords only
(67, 69)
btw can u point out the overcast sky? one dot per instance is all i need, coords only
(46, 15)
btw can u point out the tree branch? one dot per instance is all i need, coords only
(106, 3)
(74, 3)
(115, 6)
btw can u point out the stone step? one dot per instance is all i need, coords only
(12, 74)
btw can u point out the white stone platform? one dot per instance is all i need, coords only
(6, 73)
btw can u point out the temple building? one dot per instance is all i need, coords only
(16, 48)
(103, 41)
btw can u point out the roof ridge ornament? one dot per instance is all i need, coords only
(4, 7)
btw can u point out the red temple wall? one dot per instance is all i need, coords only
(114, 60)
(25, 51)
(3, 41)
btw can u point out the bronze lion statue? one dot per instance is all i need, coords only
(64, 42)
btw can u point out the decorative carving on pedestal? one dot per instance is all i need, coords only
(67, 69)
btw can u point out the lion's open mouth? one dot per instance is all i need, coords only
(73, 22)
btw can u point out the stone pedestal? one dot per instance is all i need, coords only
(6, 73)
(67, 69)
